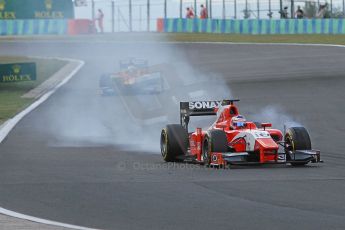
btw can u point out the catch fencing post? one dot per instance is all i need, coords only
(235, 9)
(130, 14)
(223, 9)
(210, 9)
(112, 16)
(180, 8)
(148, 15)
(93, 10)
(258, 8)
(165, 9)
(195, 11)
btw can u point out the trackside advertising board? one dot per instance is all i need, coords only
(36, 9)
(17, 72)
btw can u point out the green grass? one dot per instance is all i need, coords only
(313, 39)
(10, 93)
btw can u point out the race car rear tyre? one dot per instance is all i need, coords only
(174, 142)
(297, 138)
(214, 141)
(105, 81)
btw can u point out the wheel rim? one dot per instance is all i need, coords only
(288, 147)
(288, 144)
(163, 144)
(205, 153)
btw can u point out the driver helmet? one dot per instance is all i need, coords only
(238, 121)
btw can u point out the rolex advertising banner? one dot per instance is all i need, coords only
(36, 9)
(17, 72)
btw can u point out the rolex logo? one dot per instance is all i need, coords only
(16, 69)
(2, 4)
(48, 3)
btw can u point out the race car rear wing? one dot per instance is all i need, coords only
(138, 63)
(200, 108)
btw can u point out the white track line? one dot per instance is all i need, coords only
(41, 221)
(8, 126)
(155, 41)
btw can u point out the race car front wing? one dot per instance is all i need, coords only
(240, 158)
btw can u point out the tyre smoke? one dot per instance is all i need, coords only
(130, 121)
(276, 115)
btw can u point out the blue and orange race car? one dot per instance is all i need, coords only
(134, 77)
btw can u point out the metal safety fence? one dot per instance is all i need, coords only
(142, 15)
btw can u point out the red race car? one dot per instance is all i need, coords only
(232, 140)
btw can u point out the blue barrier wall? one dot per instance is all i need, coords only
(253, 26)
(33, 27)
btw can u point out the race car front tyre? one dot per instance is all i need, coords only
(296, 138)
(214, 141)
(174, 142)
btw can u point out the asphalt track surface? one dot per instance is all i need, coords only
(111, 186)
